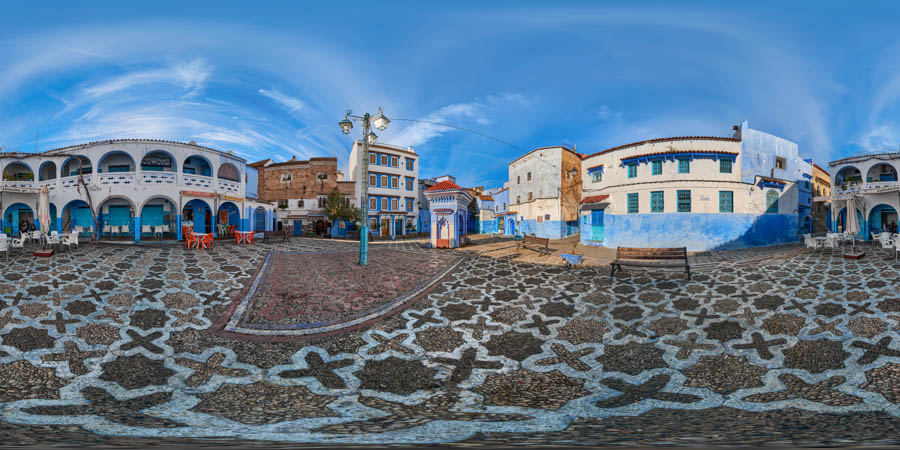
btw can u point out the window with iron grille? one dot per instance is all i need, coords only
(656, 167)
(657, 203)
(596, 176)
(684, 165)
(633, 203)
(684, 201)
(632, 170)
(726, 201)
(724, 166)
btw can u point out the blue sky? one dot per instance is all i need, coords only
(273, 79)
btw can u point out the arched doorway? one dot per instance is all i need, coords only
(882, 218)
(77, 213)
(18, 218)
(842, 222)
(197, 214)
(510, 226)
(259, 219)
(158, 218)
(228, 215)
(116, 218)
(230, 172)
(443, 234)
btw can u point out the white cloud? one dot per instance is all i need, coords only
(292, 104)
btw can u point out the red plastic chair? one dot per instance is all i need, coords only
(188, 239)
(206, 241)
(250, 239)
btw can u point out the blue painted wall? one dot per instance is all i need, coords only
(552, 229)
(252, 189)
(699, 232)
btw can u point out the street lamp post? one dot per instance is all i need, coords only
(381, 122)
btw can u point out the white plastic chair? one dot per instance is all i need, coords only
(886, 242)
(18, 243)
(35, 236)
(53, 239)
(107, 229)
(67, 242)
(4, 245)
(73, 239)
(164, 231)
(146, 229)
(831, 242)
(126, 229)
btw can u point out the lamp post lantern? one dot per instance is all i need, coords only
(368, 137)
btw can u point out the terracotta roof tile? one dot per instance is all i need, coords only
(445, 185)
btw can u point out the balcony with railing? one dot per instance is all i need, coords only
(229, 186)
(115, 178)
(153, 177)
(197, 181)
(51, 184)
(18, 184)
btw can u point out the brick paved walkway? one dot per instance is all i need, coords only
(116, 341)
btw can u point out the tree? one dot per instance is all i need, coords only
(338, 207)
(87, 192)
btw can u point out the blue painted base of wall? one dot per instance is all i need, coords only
(698, 232)
(552, 229)
(488, 227)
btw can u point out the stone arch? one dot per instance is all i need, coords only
(881, 171)
(878, 214)
(200, 210)
(18, 174)
(117, 167)
(51, 169)
(230, 172)
(194, 164)
(151, 161)
(70, 166)
(847, 172)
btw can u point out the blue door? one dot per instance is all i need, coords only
(298, 227)
(510, 226)
(597, 225)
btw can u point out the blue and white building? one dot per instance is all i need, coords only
(871, 180)
(393, 186)
(700, 192)
(133, 184)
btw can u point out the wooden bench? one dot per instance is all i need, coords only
(283, 234)
(650, 257)
(540, 245)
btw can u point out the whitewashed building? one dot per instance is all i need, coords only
(700, 192)
(872, 180)
(135, 185)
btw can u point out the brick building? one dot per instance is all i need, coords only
(299, 189)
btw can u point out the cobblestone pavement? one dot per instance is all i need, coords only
(116, 341)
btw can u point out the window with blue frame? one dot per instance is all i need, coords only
(684, 165)
(633, 203)
(409, 183)
(632, 171)
(409, 204)
(772, 202)
(596, 176)
(657, 204)
(373, 203)
(724, 166)
(684, 201)
(656, 167)
(410, 164)
(726, 201)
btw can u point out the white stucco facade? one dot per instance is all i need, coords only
(393, 188)
(130, 177)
